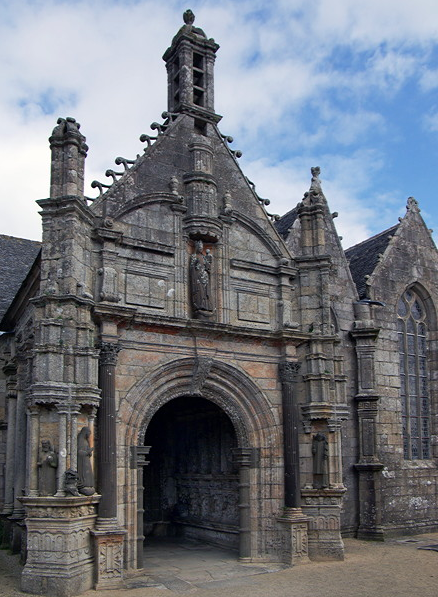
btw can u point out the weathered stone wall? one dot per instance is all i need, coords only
(409, 487)
(143, 387)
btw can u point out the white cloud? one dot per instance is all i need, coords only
(428, 79)
(101, 63)
(430, 121)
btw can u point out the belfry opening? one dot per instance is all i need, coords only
(192, 481)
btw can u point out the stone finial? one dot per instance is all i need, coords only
(412, 205)
(315, 185)
(67, 131)
(314, 195)
(189, 17)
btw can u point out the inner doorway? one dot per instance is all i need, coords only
(192, 484)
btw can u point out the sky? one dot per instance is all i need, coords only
(347, 85)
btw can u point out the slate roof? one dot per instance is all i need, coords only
(364, 257)
(17, 256)
(286, 222)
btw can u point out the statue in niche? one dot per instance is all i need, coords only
(200, 282)
(85, 472)
(47, 463)
(320, 459)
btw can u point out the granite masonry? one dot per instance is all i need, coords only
(176, 361)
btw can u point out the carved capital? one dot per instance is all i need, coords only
(288, 371)
(108, 353)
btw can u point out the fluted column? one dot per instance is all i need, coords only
(292, 490)
(106, 421)
(34, 438)
(10, 443)
(19, 455)
(242, 457)
(62, 456)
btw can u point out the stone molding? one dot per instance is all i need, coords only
(228, 387)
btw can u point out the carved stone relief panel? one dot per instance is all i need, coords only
(253, 307)
(146, 290)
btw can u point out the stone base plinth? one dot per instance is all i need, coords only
(371, 534)
(323, 509)
(60, 560)
(294, 540)
(108, 549)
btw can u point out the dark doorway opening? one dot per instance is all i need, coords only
(191, 484)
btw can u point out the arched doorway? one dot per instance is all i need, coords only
(191, 485)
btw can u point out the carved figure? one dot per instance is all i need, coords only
(189, 17)
(314, 194)
(320, 458)
(47, 464)
(85, 472)
(200, 283)
(315, 184)
(71, 482)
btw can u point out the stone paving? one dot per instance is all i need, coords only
(182, 565)
(400, 567)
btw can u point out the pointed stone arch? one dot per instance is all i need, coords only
(428, 302)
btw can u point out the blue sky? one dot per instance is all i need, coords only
(348, 85)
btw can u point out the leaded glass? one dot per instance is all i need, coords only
(425, 448)
(402, 308)
(412, 342)
(416, 310)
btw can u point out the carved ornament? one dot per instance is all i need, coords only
(288, 371)
(201, 369)
(108, 353)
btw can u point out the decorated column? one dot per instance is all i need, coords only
(242, 457)
(293, 524)
(368, 467)
(139, 461)
(108, 535)
(292, 490)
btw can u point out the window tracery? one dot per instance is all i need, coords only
(414, 390)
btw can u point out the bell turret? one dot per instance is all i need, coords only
(190, 71)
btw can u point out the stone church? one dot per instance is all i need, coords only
(176, 361)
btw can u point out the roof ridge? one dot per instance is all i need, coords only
(363, 242)
(28, 240)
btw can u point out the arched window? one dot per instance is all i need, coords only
(412, 335)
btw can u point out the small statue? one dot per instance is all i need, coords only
(320, 458)
(189, 17)
(48, 463)
(314, 195)
(85, 472)
(315, 184)
(200, 283)
(71, 482)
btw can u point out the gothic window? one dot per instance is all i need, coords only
(414, 393)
